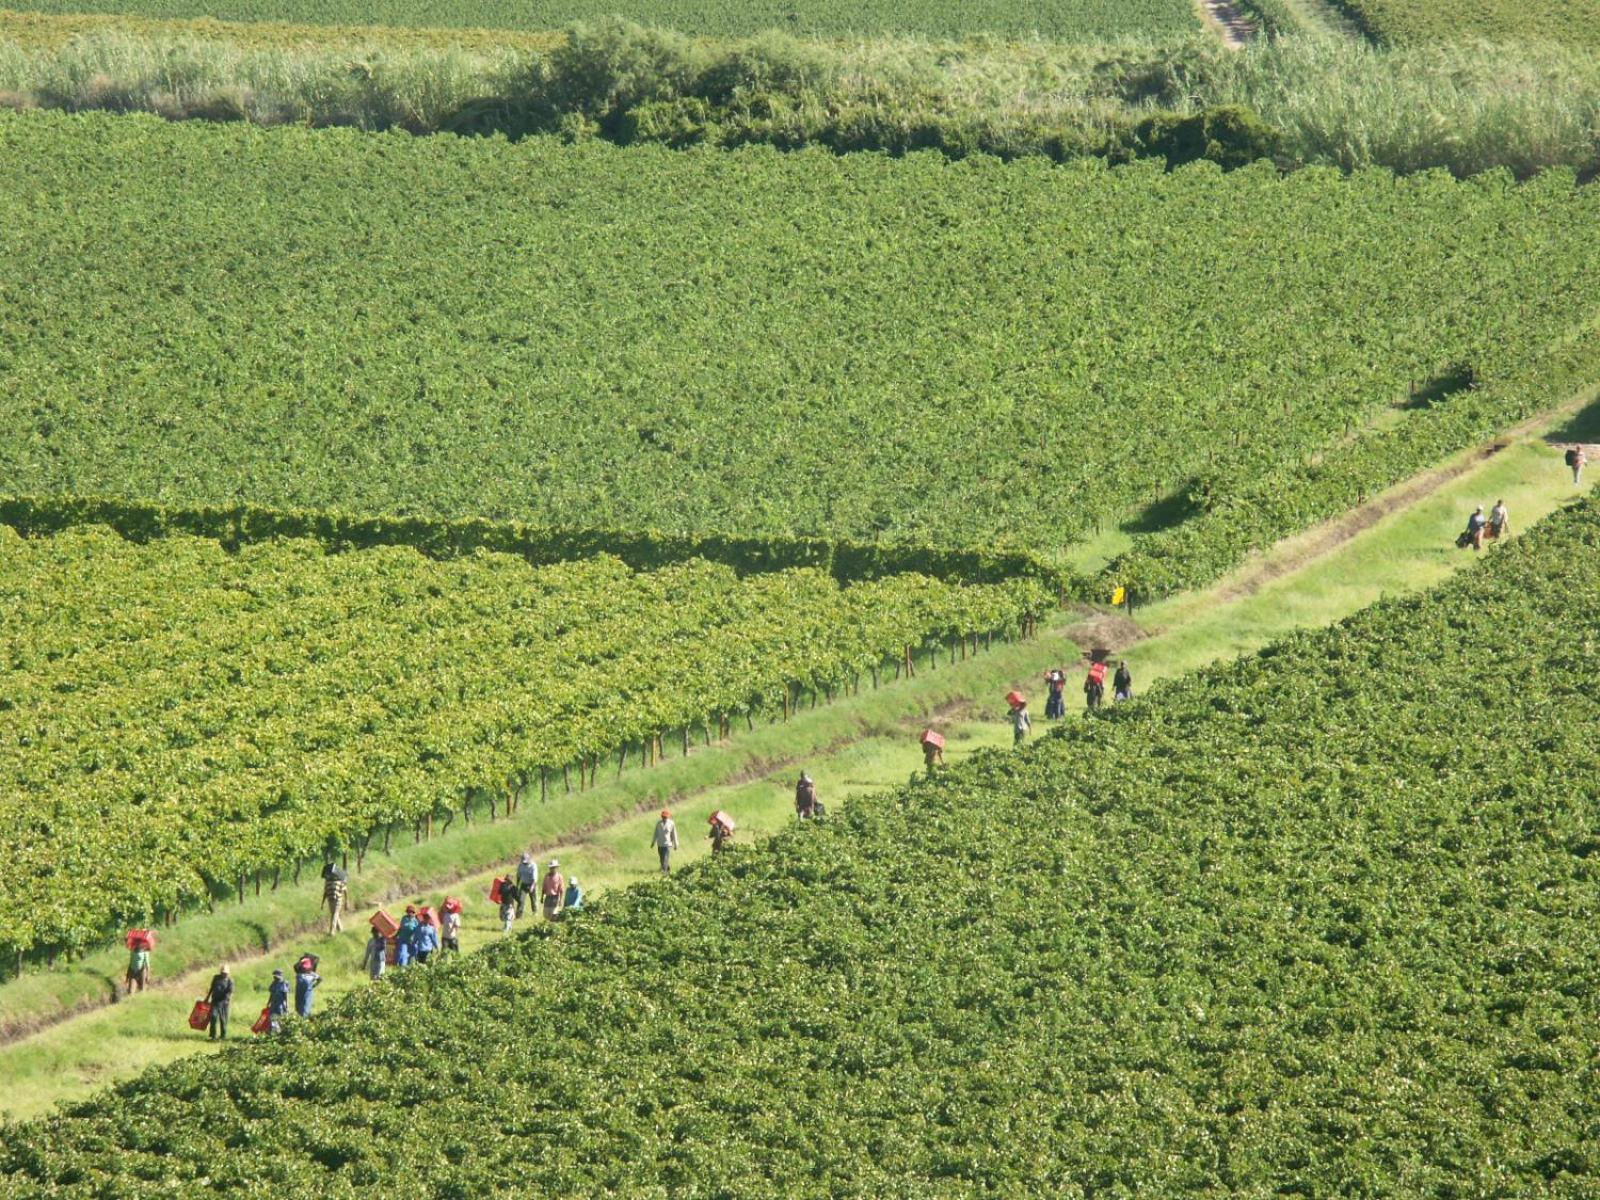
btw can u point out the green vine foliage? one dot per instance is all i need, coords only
(1319, 922)
(176, 715)
(859, 350)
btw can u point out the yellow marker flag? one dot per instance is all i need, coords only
(1119, 596)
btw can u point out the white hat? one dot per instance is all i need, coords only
(555, 862)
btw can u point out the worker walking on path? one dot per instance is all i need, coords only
(334, 891)
(1577, 460)
(1122, 682)
(1499, 520)
(553, 891)
(527, 881)
(450, 927)
(721, 831)
(665, 840)
(405, 938)
(932, 750)
(277, 1001)
(1476, 524)
(140, 943)
(425, 942)
(305, 985)
(1055, 703)
(220, 997)
(1021, 722)
(1094, 685)
(506, 889)
(376, 956)
(573, 901)
(805, 797)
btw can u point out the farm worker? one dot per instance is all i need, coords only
(527, 880)
(425, 942)
(1576, 459)
(334, 891)
(1475, 526)
(405, 940)
(277, 1000)
(376, 956)
(305, 988)
(450, 928)
(805, 797)
(508, 903)
(1123, 681)
(665, 840)
(573, 901)
(1499, 520)
(1021, 722)
(1055, 704)
(1094, 685)
(932, 753)
(138, 977)
(220, 994)
(721, 831)
(553, 891)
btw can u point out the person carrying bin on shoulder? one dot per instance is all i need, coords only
(721, 832)
(335, 890)
(1055, 704)
(1021, 722)
(306, 980)
(1094, 685)
(805, 797)
(932, 750)
(665, 840)
(140, 943)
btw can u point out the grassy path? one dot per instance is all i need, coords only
(858, 747)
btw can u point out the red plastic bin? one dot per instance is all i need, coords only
(384, 923)
(200, 1015)
(930, 738)
(1016, 699)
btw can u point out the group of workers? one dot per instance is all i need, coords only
(422, 932)
(1094, 689)
(1481, 528)
(557, 895)
(664, 837)
(218, 1000)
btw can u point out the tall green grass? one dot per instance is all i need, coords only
(1315, 99)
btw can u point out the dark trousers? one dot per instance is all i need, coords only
(666, 859)
(524, 892)
(218, 1027)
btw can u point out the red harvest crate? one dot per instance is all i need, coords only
(384, 923)
(200, 1015)
(930, 738)
(1015, 699)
